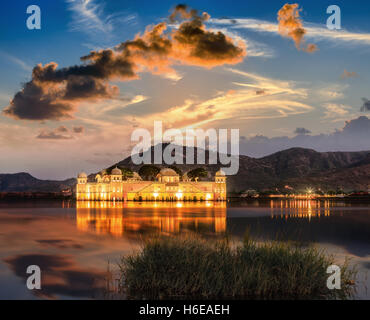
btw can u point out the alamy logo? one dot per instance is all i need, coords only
(334, 22)
(218, 144)
(34, 280)
(34, 20)
(334, 281)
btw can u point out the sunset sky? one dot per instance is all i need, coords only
(244, 72)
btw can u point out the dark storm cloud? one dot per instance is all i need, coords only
(203, 47)
(366, 105)
(181, 12)
(36, 102)
(87, 88)
(302, 131)
(54, 94)
(353, 137)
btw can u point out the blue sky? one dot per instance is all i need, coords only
(317, 91)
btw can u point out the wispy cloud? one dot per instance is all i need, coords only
(116, 107)
(314, 31)
(269, 85)
(338, 112)
(16, 61)
(88, 16)
(331, 92)
(254, 97)
(60, 133)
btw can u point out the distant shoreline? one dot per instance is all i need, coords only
(6, 196)
(35, 196)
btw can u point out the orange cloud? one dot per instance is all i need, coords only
(347, 74)
(54, 94)
(291, 26)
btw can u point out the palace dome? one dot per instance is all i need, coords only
(116, 172)
(220, 173)
(82, 175)
(168, 172)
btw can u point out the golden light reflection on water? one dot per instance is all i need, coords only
(122, 219)
(303, 209)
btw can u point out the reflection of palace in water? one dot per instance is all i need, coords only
(125, 218)
(168, 187)
(305, 209)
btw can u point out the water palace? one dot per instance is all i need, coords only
(167, 187)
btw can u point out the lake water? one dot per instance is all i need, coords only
(75, 244)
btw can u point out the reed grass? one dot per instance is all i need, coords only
(194, 268)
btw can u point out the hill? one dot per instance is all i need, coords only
(296, 167)
(299, 168)
(24, 182)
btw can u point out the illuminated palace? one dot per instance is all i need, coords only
(167, 187)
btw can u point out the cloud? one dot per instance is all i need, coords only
(336, 111)
(62, 129)
(353, 137)
(36, 102)
(313, 31)
(360, 125)
(302, 131)
(55, 94)
(78, 129)
(88, 17)
(346, 74)
(16, 61)
(254, 97)
(261, 92)
(52, 135)
(331, 92)
(254, 48)
(182, 12)
(60, 133)
(366, 105)
(291, 26)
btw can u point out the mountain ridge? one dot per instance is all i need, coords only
(295, 167)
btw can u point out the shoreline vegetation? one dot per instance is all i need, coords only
(9, 196)
(179, 268)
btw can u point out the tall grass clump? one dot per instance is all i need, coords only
(192, 268)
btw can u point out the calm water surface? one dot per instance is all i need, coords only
(75, 243)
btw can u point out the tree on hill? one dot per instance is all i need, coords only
(177, 170)
(198, 173)
(126, 172)
(149, 172)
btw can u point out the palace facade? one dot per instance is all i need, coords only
(167, 187)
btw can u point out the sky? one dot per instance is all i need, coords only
(287, 82)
